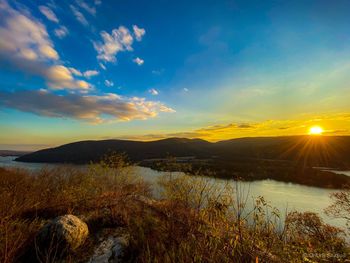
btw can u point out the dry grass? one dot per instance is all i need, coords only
(197, 221)
(194, 220)
(28, 200)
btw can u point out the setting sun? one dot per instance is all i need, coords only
(315, 130)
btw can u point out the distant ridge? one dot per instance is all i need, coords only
(325, 151)
(13, 153)
(87, 151)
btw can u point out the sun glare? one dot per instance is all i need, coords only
(315, 130)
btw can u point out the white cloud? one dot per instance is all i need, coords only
(109, 83)
(59, 77)
(90, 9)
(90, 73)
(22, 37)
(86, 74)
(25, 44)
(119, 40)
(61, 32)
(98, 2)
(138, 32)
(138, 61)
(79, 16)
(48, 13)
(93, 109)
(186, 89)
(154, 92)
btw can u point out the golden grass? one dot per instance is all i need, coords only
(194, 220)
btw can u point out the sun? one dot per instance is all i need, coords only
(316, 130)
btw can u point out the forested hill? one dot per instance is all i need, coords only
(325, 151)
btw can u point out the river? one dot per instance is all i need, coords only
(281, 195)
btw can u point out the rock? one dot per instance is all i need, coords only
(111, 250)
(64, 233)
(119, 250)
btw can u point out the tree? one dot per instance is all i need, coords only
(340, 207)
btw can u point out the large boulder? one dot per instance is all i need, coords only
(62, 234)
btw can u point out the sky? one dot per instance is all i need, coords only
(147, 70)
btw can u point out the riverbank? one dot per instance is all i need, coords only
(281, 195)
(253, 170)
(192, 216)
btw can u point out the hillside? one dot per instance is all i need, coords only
(324, 151)
(319, 151)
(87, 151)
(287, 159)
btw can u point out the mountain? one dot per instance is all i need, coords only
(287, 159)
(87, 151)
(323, 151)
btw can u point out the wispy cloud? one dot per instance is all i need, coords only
(285, 127)
(138, 61)
(154, 92)
(102, 66)
(90, 9)
(93, 109)
(79, 16)
(119, 40)
(109, 83)
(87, 73)
(90, 73)
(337, 132)
(75, 72)
(61, 32)
(48, 13)
(138, 32)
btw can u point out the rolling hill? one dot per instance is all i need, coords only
(323, 151)
(288, 159)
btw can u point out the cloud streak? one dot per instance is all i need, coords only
(93, 109)
(154, 92)
(264, 128)
(87, 74)
(79, 16)
(90, 9)
(109, 83)
(48, 13)
(61, 32)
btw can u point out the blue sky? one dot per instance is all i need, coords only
(85, 69)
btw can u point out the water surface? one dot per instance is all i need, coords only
(280, 194)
